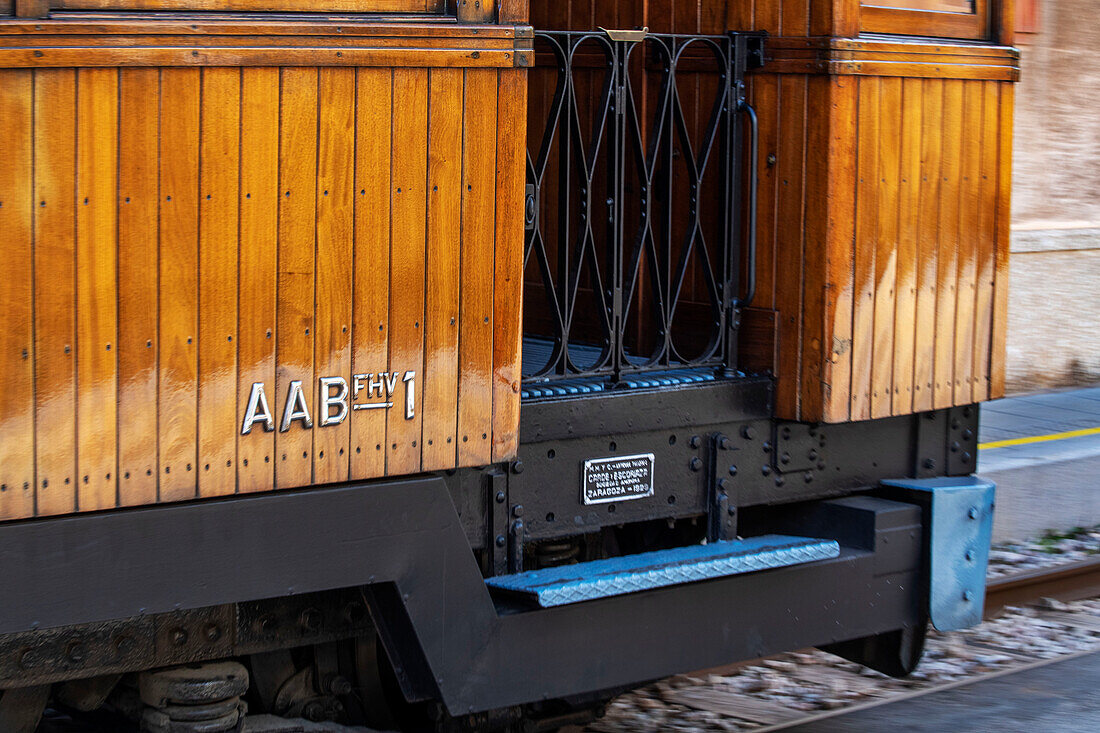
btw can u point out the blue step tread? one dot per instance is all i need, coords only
(616, 576)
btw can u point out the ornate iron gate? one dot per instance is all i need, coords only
(636, 230)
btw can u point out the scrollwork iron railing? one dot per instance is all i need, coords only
(636, 233)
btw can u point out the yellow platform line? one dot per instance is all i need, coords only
(1040, 438)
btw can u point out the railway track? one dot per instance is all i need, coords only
(1074, 581)
(1065, 583)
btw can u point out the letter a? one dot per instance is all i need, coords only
(296, 408)
(257, 411)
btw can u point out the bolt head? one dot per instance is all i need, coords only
(517, 510)
(180, 636)
(212, 632)
(973, 513)
(733, 470)
(517, 467)
(747, 432)
(500, 497)
(501, 541)
(696, 464)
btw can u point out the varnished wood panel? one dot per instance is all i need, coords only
(54, 290)
(1001, 255)
(970, 188)
(444, 260)
(372, 222)
(177, 396)
(219, 203)
(197, 232)
(408, 191)
(335, 201)
(949, 241)
(931, 156)
(139, 107)
(257, 262)
(927, 217)
(511, 172)
(17, 297)
(253, 6)
(478, 230)
(864, 251)
(909, 214)
(96, 287)
(295, 394)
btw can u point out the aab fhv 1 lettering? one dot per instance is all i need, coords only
(336, 399)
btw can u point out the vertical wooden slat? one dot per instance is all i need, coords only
(886, 247)
(790, 239)
(96, 287)
(17, 296)
(475, 404)
(508, 291)
(816, 253)
(513, 11)
(374, 107)
(768, 14)
(931, 156)
(766, 99)
(986, 244)
(909, 222)
(948, 253)
(794, 17)
(863, 312)
(839, 258)
(179, 258)
(297, 239)
(218, 222)
(259, 233)
(442, 295)
(335, 197)
(139, 101)
(410, 172)
(968, 241)
(1000, 275)
(55, 289)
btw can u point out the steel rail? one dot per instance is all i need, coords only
(1073, 581)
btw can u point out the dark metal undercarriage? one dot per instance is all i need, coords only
(404, 561)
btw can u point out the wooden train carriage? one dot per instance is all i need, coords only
(251, 253)
(662, 291)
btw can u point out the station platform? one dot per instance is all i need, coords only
(1043, 452)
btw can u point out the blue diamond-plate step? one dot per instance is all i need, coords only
(648, 570)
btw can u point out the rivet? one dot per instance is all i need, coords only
(179, 636)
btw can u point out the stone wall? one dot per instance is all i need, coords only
(1054, 305)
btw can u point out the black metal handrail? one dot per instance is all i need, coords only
(634, 242)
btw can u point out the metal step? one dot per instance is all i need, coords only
(617, 576)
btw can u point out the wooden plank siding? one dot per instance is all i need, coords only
(927, 191)
(177, 236)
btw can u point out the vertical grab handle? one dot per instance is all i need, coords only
(754, 148)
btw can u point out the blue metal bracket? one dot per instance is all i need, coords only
(961, 519)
